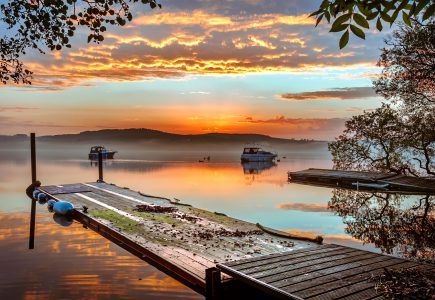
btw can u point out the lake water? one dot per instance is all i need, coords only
(69, 262)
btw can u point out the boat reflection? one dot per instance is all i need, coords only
(94, 163)
(256, 167)
(398, 224)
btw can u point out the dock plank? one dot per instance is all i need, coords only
(338, 274)
(326, 283)
(316, 260)
(347, 179)
(284, 275)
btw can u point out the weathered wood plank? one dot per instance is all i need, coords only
(304, 264)
(356, 262)
(326, 283)
(353, 287)
(309, 259)
(288, 273)
(248, 263)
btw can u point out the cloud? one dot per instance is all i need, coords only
(203, 37)
(299, 122)
(16, 108)
(309, 207)
(348, 93)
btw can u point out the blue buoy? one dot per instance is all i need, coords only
(62, 220)
(35, 194)
(42, 197)
(62, 207)
(50, 204)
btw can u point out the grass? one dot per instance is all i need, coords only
(156, 217)
(119, 221)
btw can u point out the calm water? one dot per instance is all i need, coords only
(74, 262)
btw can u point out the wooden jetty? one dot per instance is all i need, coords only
(221, 257)
(363, 180)
(178, 239)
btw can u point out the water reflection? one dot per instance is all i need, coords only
(74, 263)
(256, 167)
(396, 223)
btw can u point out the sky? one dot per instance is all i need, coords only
(201, 66)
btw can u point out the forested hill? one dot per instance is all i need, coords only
(149, 135)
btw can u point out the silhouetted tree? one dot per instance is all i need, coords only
(408, 74)
(41, 24)
(392, 222)
(397, 138)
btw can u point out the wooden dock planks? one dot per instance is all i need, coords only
(184, 243)
(348, 179)
(324, 272)
(274, 265)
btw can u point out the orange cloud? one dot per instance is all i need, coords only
(333, 94)
(168, 44)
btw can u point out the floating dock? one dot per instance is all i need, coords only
(178, 239)
(222, 257)
(364, 180)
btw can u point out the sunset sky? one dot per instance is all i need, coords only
(199, 66)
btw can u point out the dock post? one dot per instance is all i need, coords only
(100, 166)
(33, 156)
(33, 205)
(212, 284)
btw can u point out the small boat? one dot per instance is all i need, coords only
(107, 154)
(257, 154)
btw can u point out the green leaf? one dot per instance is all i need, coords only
(379, 24)
(341, 19)
(324, 5)
(422, 4)
(406, 19)
(360, 20)
(385, 17)
(372, 16)
(344, 39)
(358, 32)
(319, 19)
(315, 13)
(339, 28)
(429, 12)
(394, 17)
(328, 16)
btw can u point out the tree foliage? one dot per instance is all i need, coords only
(50, 24)
(408, 74)
(386, 140)
(356, 15)
(399, 138)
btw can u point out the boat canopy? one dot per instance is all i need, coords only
(251, 150)
(97, 149)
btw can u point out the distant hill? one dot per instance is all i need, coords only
(155, 136)
(13, 138)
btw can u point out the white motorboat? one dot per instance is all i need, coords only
(257, 154)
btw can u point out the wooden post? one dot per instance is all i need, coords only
(32, 225)
(33, 205)
(212, 284)
(33, 156)
(100, 166)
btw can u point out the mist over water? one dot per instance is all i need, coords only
(74, 262)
